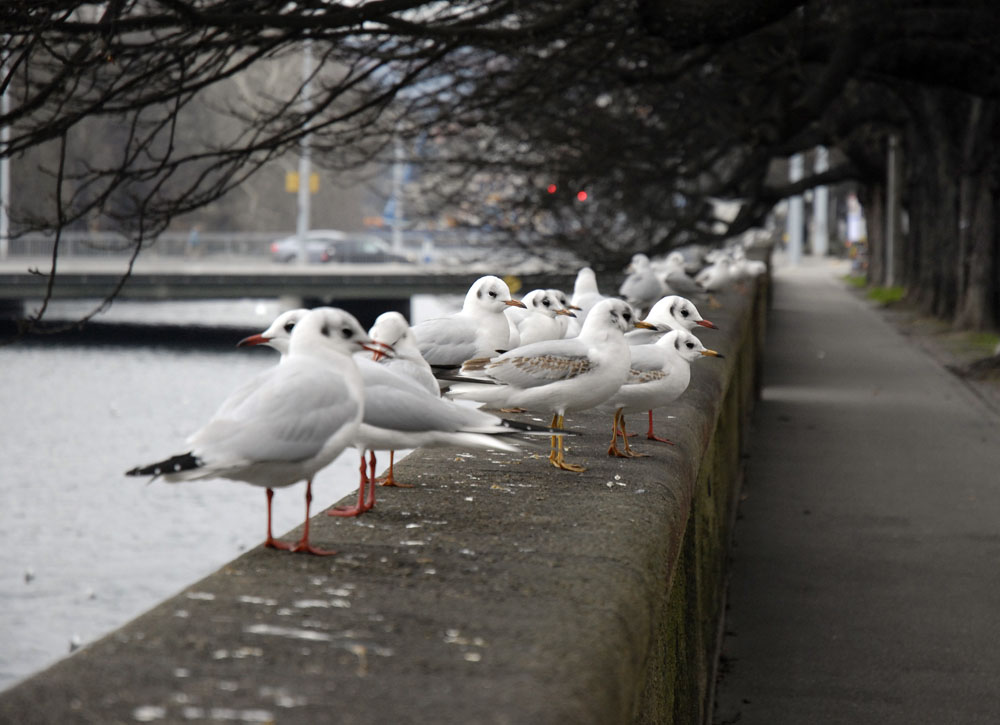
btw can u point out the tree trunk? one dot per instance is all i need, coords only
(978, 287)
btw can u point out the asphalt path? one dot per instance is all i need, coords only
(865, 585)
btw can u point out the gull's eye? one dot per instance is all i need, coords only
(690, 346)
(684, 313)
(546, 302)
(347, 332)
(289, 326)
(627, 316)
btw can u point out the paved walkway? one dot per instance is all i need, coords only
(866, 565)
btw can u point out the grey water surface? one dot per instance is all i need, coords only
(85, 549)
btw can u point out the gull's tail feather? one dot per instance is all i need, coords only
(175, 464)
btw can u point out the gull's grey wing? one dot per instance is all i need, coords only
(446, 340)
(288, 414)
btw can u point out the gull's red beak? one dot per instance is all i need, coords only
(253, 340)
(378, 349)
(706, 323)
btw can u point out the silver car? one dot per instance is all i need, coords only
(331, 245)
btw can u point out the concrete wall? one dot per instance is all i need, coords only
(497, 590)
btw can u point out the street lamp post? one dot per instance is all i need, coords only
(305, 166)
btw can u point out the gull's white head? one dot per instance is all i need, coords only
(639, 263)
(687, 345)
(675, 259)
(586, 282)
(393, 331)
(611, 315)
(562, 299)
(489, 294)
(676, 313)
(545, 302)
(329, 330)
(279, 334)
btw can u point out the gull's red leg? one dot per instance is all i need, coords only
(303, 546)
(271, 542)
(360, 507)
(370, 502)
(652, 436)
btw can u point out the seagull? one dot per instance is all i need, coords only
(478, 329)
(288, 422)
(393, 330)
(715, 276)
(642, 287)
(399, 411)
(678, 281)
(559, 376)
(658, 374)
(585, 295)
(540, 318)
(670, 313)
(566, 304)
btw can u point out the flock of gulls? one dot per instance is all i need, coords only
(396, 386)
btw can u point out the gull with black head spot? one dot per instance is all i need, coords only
(480, 328)
(658, 374)
(287, 423)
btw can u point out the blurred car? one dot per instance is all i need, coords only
(331, 245)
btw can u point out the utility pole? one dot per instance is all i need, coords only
(305, 166)
(796, 212)
(4, 163)
(821, 207)
(398, 177)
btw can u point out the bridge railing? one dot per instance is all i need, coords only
(168, 244)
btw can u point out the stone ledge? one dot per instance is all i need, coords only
(499, 590)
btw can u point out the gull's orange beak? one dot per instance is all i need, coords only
(566, 312)
(642, 324)
(515, 303)
(711, 353)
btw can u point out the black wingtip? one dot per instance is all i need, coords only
(175, 464)
(534, 428)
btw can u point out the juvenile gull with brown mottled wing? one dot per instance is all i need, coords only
(558, 376)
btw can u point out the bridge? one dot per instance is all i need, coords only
(238, 264)
(364, 289)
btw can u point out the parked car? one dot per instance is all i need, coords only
(331, 245)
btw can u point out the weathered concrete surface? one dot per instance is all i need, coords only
(865, 585)
(498, 590)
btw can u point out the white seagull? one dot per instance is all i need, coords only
(540, 318)
(399, 412)
(479, 328)
(670, 313)
(286, 423)
(559, 376)
(585, 295)
(658, 374)
(677, 278)
(643, 286)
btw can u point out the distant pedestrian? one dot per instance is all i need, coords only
(194, 248)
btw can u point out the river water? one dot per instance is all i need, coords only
(87, 549)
